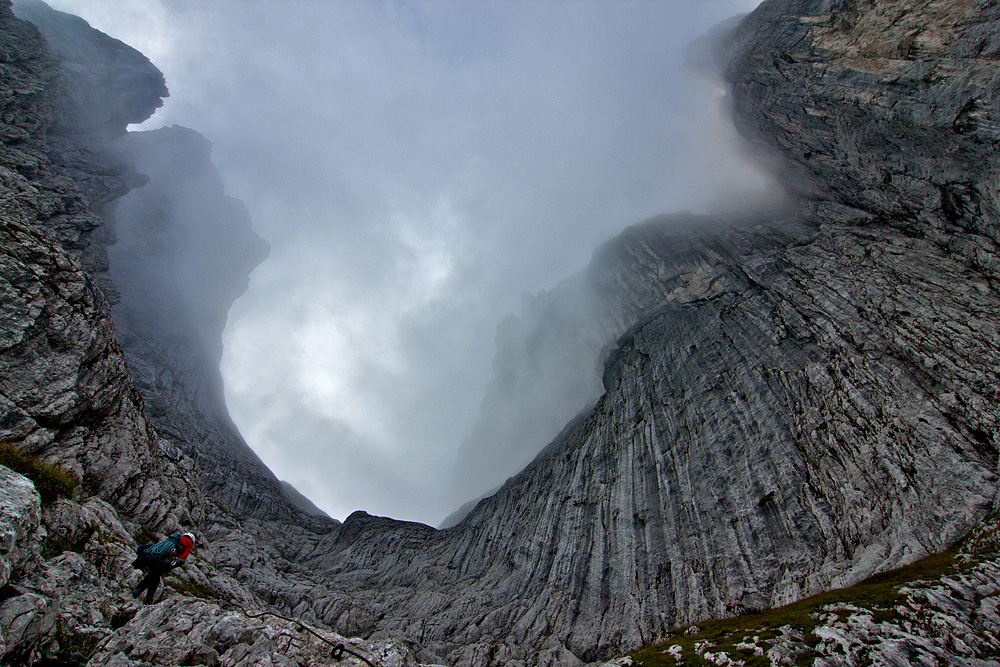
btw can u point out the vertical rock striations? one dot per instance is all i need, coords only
(780, 436)
(549, 357)
(795, 403)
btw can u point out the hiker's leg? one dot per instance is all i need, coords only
(145, 583)
(154, 581)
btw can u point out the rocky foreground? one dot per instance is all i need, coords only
(794, 399)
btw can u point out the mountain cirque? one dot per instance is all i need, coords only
(793, 398)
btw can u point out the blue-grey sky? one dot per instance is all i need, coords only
(417, 167)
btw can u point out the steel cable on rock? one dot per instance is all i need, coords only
(339, 649)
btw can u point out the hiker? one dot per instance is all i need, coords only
(158, 559)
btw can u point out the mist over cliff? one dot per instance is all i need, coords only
(417, 169)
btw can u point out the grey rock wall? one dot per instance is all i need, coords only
(20, 514)
(78, 112)
(66, 397)
(64, 390)
(888, 108)
(104, 83)
(180, 250)
(782, 435)
(27, 620)
(549, 357)
(943, 610)
(819, 405)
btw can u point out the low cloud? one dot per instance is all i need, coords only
(416, 168)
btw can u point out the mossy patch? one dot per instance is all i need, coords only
(50, 480)
(57, 544)
(146, 536)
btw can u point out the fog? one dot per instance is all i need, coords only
(417, 168)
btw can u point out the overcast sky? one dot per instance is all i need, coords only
(416, 167)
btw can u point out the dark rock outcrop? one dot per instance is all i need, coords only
(105, 84)
(184, 254)
(95, 84)
(65, 395)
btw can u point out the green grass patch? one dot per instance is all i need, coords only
(50, 480)
(878, 595)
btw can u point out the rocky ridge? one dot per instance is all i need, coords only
(842, 85)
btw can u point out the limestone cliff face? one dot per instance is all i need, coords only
(886, 107)
(821, 405)
(549, 357)
(66, 398)
(104, 84)
(96, 86)
(65, 395)
(835, 89)
(180, 250)
(778, 438)
(64, 389)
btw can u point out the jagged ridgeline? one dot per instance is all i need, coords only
(793, 399)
